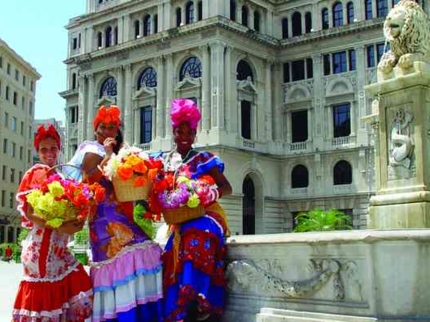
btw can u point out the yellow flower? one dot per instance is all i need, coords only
(56, 189)
(33, 197)
(193, 201)
(183, 179)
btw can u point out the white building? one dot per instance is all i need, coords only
(279, 84)
(17, 101)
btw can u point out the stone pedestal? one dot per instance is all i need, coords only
(401, 119)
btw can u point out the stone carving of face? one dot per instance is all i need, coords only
(394, 23)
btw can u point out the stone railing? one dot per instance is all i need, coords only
(343, 141)
(145, 146)
(298, 146)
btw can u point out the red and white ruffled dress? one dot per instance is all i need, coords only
(55, 286)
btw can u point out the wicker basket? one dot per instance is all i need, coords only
(182, 214)
(126, 191)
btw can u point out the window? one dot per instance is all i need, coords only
(13, 148)
(308, 22)
(147, 25)
(339, 62)
(108, 88)
(11, 195)
(299, 126)
(257, 21)
(189, 12)
(299, 177)
(324, 18)
(15, 98)
(381, 8)
(246, 119)
(8, 69)
(244, 71)
(13, 124)
(28, 155)
(370, 56)
(342, 173)
(337, 15)
(136, 29)
(3, 198)
(232, 10)
(21, 130)
(326, 65)
(192, 67)
(298, 70)
(245, 16)
(6, 119)
(284, 28)
(5, 146)
(350, 12)
(380, 50)
(30, 108)
(24, 81)
(32, 86)
(146, 124)
(17, 75)
(73, 113)
(21, 153)
(4, 173)
(148, 78)
(1, 62)
(74, 81)
(248, 207)
(155, 23)
(75, 43)
(200, 10)
(20, 176)
(368, 9)
(22, 102)
(115, 33)
(352, 60)
(108, 36)
(99, 40)
(286, 72)
(341, 120)
(394, 2)
(30, 132)
(297, 24)
(309, 68)
(178, 17)
(7, 92)
(12, 175)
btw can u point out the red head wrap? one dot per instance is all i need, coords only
(107, 114)
(184, 110)
(43, 133)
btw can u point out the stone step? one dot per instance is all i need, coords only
(277, 315)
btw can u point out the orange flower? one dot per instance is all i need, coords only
(140, 181)
(152, 173)
(125, 172)
(140, 167)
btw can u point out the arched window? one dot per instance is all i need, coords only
(189, 12)
(136, 28)
(299, 177)
(147, 25)
(284, 28)
(148, 78)
(178, 17)
(308, 22)
(233, 10)
(337, 14)
(248, 206)
(244, 71)
(368, 9)
(192, 66)
(108, 36)
(342, 173)
(74, 81)
(245, 13)
(297, 23)
(108, 88)
(257, 21)
(99, 39)
(350, 12)
(324, 18)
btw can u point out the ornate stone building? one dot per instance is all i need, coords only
(17, 98)
(279, 83)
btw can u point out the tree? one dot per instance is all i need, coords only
(320, 220)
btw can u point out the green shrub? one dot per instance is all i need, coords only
(320, 220)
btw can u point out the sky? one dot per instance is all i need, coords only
(35, 30)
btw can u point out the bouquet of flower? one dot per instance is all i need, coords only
(58, 200)
(129, 172)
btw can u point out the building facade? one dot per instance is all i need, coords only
(17, 100)
(279, 84)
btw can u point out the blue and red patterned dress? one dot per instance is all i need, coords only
(198, 276)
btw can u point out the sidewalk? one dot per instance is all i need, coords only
(10, 276)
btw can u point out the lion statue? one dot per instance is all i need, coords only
(407, 29)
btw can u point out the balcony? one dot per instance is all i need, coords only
(342, 189)
(298, 146)
(248, 144)
(145, 146)
(343, 142)
(299, 191)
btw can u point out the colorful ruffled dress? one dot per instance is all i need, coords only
(196, 275)
(126, 265)
(55, 286)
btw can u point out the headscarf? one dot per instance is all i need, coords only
(44, 133)
(184, 110)
(107, 114)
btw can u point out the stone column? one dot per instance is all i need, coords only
(278, 101)
(206, 88)
(120, 89)
(289, 124)
(374, 8)
(169, 93)
(238, 12)
(310, 123)
(319, 109)
(329, 118)
(161, 22)
(167, 15)
(91, 106)
(126, 29)
(89, 39)
(353, 119)
(268, 104)
(230, 84)
(251, 17)
(160, 133)
(183, 16)
(137, 125)
(217, 84)
(269, 23)
(82, 131)
(206, 9)
(128, 119)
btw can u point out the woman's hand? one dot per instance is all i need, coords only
(71, 227)
(109, 144)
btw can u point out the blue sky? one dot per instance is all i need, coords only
(35, 30)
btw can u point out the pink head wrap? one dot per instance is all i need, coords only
(184, 110)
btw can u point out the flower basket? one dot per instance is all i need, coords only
(126, 190)
(182, 214)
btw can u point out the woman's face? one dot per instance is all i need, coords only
(106, 130)
(184, 137)
(48, 151)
